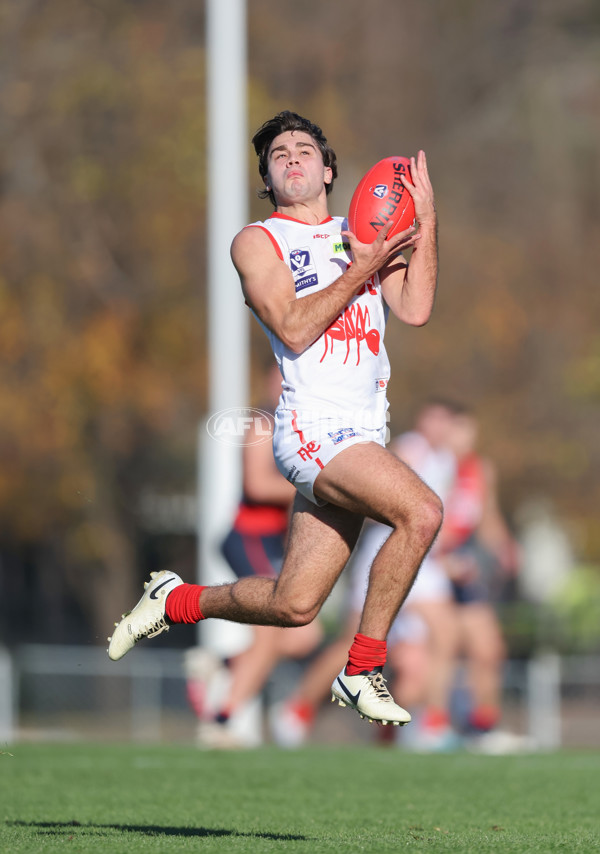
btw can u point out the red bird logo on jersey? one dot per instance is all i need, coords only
(353, 324)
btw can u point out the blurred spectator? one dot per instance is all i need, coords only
(479, 553)
(253, 547)
(450, 609)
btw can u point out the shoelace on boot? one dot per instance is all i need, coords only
(149, 630)
(377, 680)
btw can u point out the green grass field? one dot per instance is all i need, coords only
(84, 798)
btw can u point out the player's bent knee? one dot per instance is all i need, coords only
(293, 616)
(427, 519)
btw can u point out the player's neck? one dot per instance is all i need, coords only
(311, 213)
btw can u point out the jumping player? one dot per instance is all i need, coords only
(322, 298)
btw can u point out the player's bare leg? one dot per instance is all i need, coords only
(370, 481)
(320, 542)
(363, 480)
(367, 479)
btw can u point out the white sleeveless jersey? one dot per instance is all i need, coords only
(345, 372)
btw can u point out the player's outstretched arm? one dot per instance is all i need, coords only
(268, 285)
(409, 289)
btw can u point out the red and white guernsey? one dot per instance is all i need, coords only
(345, 372)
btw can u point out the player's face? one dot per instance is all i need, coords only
(296, 172)
(435, 423)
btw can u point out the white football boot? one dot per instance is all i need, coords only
(147, 619)
(367, 693)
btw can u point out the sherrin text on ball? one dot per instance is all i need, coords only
(380, 197)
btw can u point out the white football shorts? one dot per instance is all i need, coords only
(303, 446)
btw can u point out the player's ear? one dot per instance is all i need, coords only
(328, 176)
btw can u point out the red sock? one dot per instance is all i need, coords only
(484, 718)
(436, 718)
(365, 654)
(304, 711)
(183, 604)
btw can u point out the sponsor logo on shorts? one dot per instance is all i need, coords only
(381, 384)
(343, 433)
(241, 425)
(303, 269)
(292, 475)
(307, 452)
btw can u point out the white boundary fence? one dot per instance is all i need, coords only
(44, 683)
(134, 685)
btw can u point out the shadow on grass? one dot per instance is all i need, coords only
(62, 827)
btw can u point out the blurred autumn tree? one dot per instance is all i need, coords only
(102, 212)
(101, 325)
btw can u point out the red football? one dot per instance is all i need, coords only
(380, 197)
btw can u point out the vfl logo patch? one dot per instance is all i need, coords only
(303, 269)
(343, 433)
(380, 191)
(381, 384)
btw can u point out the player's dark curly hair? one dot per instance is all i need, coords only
(282, 122)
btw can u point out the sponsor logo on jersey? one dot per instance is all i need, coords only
(303, 269)
(381, 384)
(343, 433)
(340, 246)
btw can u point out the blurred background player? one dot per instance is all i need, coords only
(424, 637)
(253, 547)
(479, 553)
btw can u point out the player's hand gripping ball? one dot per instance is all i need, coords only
(380, 197)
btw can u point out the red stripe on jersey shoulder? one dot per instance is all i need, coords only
(272, 239)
